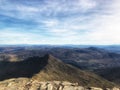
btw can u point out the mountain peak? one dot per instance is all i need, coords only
(48, 55)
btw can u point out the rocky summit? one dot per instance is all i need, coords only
(28, 84)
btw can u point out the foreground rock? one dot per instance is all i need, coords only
(27, 84)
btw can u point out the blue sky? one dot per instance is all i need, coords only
(60, 22)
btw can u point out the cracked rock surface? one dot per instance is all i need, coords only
(28, 84)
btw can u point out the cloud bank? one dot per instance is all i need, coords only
(60, 22)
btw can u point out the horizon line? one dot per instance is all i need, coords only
(61, 44)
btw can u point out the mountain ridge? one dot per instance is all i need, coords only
(49, 68)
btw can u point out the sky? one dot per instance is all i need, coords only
(79, 22)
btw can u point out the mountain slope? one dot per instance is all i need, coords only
(111, 74)
(48, 68)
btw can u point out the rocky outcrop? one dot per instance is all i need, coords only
(27, 84)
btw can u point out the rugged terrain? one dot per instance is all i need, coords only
(104, 61)
(49, 68)
(85, 58)
(27, 84)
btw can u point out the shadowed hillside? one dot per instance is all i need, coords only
(26, 68)
(111, 74)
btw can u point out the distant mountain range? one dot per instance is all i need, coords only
(85, 58)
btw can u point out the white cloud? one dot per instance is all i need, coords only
(11, 36)
(50, 23)
(87, 4)
(50, 7)
(106, 27)
(76, 22)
